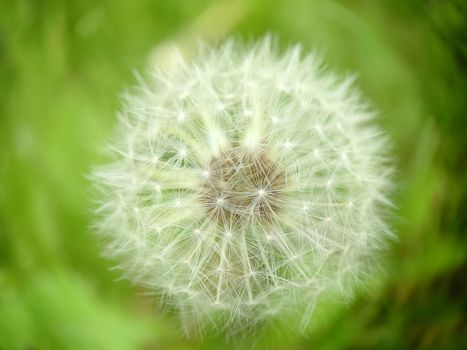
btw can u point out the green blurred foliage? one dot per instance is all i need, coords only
(63, 65)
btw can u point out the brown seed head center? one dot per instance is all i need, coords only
(242, 186)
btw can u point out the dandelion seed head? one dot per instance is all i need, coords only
(246, 184)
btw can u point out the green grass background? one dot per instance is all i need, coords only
(63, 65)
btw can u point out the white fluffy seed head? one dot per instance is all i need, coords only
(246, 184)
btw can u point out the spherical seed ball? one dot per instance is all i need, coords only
(246, 184)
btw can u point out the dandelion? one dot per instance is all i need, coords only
(247, 184)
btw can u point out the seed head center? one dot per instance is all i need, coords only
(243, 186)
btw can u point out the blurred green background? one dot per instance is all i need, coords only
(63, 65)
